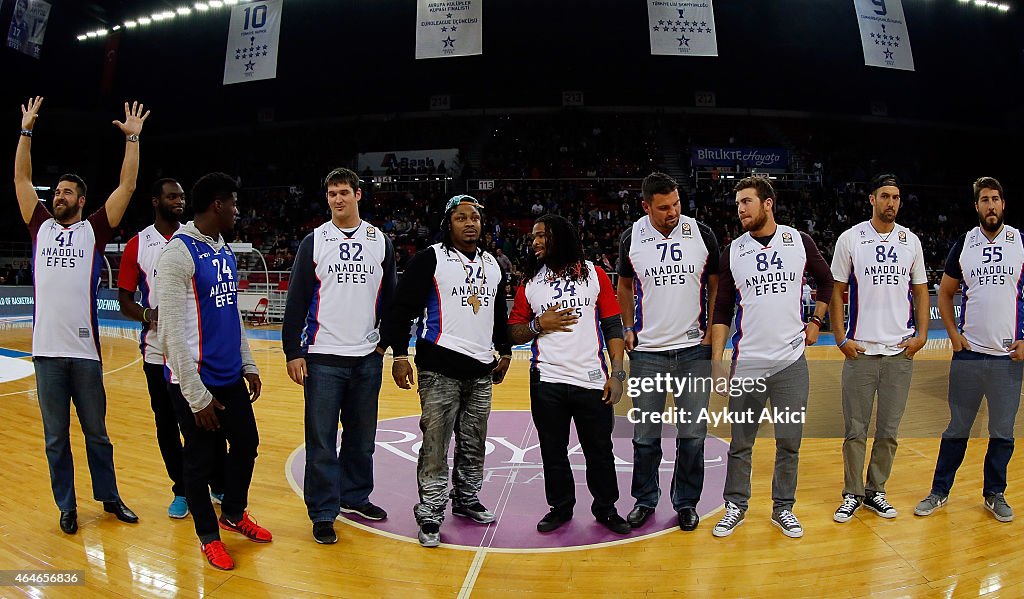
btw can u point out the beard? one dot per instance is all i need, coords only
(991, 228)
(169, 214)
(756, 223)
(887, 217)
(65, 211)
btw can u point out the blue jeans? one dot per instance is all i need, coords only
(971, 376)
(59, 382)
(348, 395)
(688, 472)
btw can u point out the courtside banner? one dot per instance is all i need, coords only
(449, 28)
(682, 27)
(883, 34)
(252, 42)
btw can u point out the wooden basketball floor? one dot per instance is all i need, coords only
(958, 552)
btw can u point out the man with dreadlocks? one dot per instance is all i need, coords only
(566, 308)
(455, 292)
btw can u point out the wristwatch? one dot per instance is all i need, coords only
(132, 138)
(619, 374)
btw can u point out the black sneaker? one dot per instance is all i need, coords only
(475, 512)
(324, 533)
(552, 521)
(616, 524)
(845, 511)
(877, 503)
(367, 510)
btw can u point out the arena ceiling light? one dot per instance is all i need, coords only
(164, 15)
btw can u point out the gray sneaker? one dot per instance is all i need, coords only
(1000, 509)
(930, 504)
(430, 534)
(733, 517)
(475, 512)
(787, 522)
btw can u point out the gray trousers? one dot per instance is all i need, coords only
(450, 405)
(787, 390)
(863, 378)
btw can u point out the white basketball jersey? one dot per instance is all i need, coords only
(670, 285)
(993, 308)
(67, 266)
(769, 319)
(151, 244)
(575, 357)
(879, 270)
(344, 315)
(460, 312)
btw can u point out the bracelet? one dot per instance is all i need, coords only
(145, 311)
(406, 358)
(506, 357)
(844, 342)
(26, 132)
(627, 329)
(814, 318)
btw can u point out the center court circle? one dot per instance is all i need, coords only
(514, 486)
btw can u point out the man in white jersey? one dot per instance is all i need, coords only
(668, 276)
(137, 272)
(456, 293)
(760, 277)
(567, 308)
(988, 345)
(68, 255)
(882, 264)
(342, 281)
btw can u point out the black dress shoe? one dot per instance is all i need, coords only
(69, 522)
(688, 519)
(119, 509)
(639, 515)
(552, 521)
(616, 524)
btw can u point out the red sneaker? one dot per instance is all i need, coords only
(217, 554)
(248, 527)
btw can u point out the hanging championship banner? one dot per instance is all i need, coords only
(449, 28)
(28, 26)
(252, 42)
(682, 27)
(883, 34)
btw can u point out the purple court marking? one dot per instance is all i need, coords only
(514, 486)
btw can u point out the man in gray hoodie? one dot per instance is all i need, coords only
(209, 364)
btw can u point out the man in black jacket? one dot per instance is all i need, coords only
(456, 293)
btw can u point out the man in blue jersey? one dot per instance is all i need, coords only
(988, 346)
(342, 282)
(209, 364)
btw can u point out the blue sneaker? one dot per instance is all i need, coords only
(178, 508)
(217, 498)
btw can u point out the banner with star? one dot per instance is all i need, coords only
(252, 41)
(449, 28)
(682, 27)
(883, 34)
